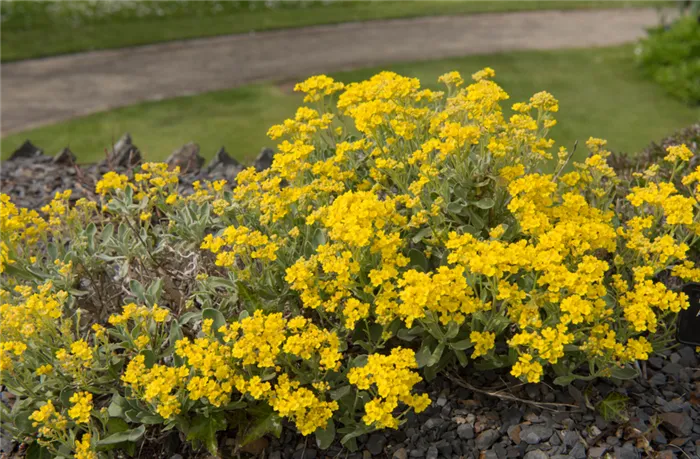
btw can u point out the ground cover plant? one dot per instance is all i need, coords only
(630, 110)
(322, 290)
(43, 28)
(670, 56)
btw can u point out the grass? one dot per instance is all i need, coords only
(601, 94)
(39, 29)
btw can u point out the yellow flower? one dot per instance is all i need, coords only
(83, 448)
(82, 406)
(483, 342)
(678, 152)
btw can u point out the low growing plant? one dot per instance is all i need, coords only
(671, 57)
(400, 232)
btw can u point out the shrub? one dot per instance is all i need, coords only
(400, 232)
(671, 57)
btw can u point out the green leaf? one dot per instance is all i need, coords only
(340, 392)
(436, 355)
(272, 423)
(423, 356)
(485, 203)
(22, 422)
(117, 407)
(564, 380)
(462, 345)
(204, 429)
(137, 289)
(65, 396)
(418, 260)
(624, 373)
(174, 336)
(452, 330)
(613, 407)
(116, 425)
(216, 316)
(131, 435)
(405, 335)
(36, 451)
(325, 437)
(461, 357)
(423, 233)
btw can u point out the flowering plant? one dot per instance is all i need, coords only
(399, 232)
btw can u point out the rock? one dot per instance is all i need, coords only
(417, 453)
(626, 453)
(570, 438)
(124, 153)
(375, 443)
(578, 451)
(679, 424)
(275, 455)
(400, 454)
(64, 157)
(533, 435)
(514, 434)
(186, 158)
(672, 369)
(687, 357)
(596, 451)
(465, 431)
(444, 448)
(486, 439)
(264, 159)
(26, 150)
(432, 453)
(659, 379)
(7, 444)
(536, 454)
(656, 363)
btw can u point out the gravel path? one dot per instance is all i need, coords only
(44, 91)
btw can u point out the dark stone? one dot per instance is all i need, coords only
(444, 448)
(186, 158)
(570, 438)
(512, 452)
(304, 453)
(465, 431)
(486, 439)
(578, 451)
(124, 153)
(64, 157)
(672, 369)
(536, 454)
(264, 159)
(534, 435)
(678, 424)
(659, 379)
(596, 451)
(626, 453)
(375, 443)
(656, 363)
(687, 357)
(433, 423)
(400, 453)
(417, 453)
(26, 150)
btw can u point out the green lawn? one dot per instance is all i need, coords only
(37, 29)
(601, 94)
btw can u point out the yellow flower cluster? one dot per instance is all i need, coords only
(82, 406)
(243, 242)
(390, 379)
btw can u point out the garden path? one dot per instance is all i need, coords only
(44, 91)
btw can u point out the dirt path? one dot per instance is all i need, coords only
(44, 91)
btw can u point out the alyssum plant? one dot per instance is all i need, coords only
(400, 231)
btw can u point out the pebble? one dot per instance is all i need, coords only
(465, 431)
(486, 439)
(375, 443)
